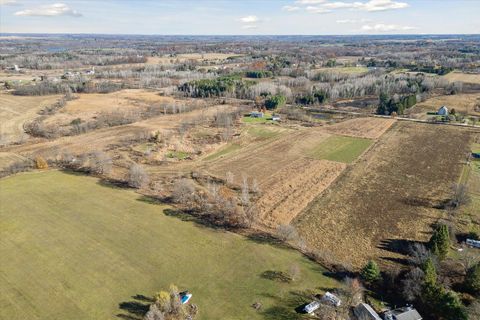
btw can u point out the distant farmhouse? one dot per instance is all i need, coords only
(443, 111)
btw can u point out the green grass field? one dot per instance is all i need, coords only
(340, 148)
(73, 248)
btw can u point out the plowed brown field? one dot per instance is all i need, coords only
(389, 196)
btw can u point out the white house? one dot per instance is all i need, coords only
(443, 111)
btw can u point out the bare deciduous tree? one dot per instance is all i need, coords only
(183, 191)
(412, 284)
(286, 232)
(137, 176)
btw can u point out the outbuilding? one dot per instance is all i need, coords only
(443, 111)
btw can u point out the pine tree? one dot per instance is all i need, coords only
(371, 272)
(451, 308)
(439, 243)
(472, 280)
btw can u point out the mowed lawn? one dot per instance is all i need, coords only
(71, 248)
(340, 148)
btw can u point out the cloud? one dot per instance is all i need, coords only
(290, 8)
(313, 9)
(249, 26)
(52, 10)
(309, 1)
(381, 27)
(372, 5)
(353, 21)
(9, 3)
(249, 19)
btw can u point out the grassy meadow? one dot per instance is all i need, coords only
(75, 248)
(340, 148)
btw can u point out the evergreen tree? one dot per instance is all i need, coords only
(430, 289)
(439, 243)
(450, 307)
(472, 280)
(371, 272)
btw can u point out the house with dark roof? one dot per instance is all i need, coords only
(406, 313)
(365, 312)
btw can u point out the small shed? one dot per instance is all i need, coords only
(311, 307)
(443, 111)
(365, 312)
(331, 298)
(276, 117)
(256, 114)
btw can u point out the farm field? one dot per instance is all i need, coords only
(15, 111)
(88, 106)
(463, 77)
(389, 196)
(66, 251)
(370, 128)
(462, 103)
(348, 70)
(292, 167)
(340, 148)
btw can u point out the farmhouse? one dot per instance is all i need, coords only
(365, 312)
(443, 111)
(407, 313)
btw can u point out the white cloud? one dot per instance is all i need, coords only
(249, 19)
(313, 9)
(9, 3)
(290, 8)
(353, 21)
(381, 27)
(309, 1)
(249, 26)
(372, 5)
(382, 5)
(52, 10)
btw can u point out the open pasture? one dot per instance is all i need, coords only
(67, 253)
(463, 77)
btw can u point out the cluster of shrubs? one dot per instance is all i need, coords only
(218, 87)
(389, 105)
(259, 74)
(317, 96)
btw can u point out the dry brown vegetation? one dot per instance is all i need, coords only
(372, 128)
(390, 196)
(15, 111)
(462, 103)
(463, 77)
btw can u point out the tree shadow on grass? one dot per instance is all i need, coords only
(289, 307)
(135, 309)
(266, 238)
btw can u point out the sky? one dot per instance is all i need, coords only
(241, 17)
